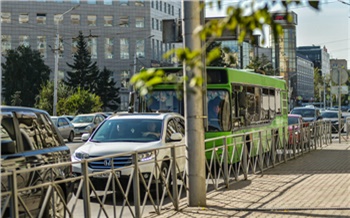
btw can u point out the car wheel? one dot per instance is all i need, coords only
(71, 136)
(56, 208)
(164, 171)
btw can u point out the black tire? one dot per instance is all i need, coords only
(164, 170)
(71, 136)
(58, 210)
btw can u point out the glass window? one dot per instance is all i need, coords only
(92, 47)
(108, 2)
(140, 22)
(125, 76)
(124, 2)
(75, 1)
(172, 10)
(75, 19)
(5, 17)
(5, 43)
(140, 3)
(160, 5)
(91, 2)
(124, 48)
(23, 18)
(169, 6)
(91, 20)
(219, 110)
(152, 4)
(152, 23)
(124, 21)
(24, 40)
(157, 24)
(108, 20)
(57, 18)
(41, 18)
(8, 140)
(140, 48)
(41, 42)
(108, 48)
(165, 7)
(74, 46)
(157, 4)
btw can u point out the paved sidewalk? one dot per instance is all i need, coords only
(314, 185)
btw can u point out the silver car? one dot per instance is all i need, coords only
(65, 127)
(87, 123)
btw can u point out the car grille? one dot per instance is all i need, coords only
(107, 163)
(79, 128)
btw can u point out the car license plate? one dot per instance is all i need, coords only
(106, 175)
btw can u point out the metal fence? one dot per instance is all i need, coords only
(231, 158)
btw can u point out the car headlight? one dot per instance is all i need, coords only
(81, 155)
(146, 156)
(88, 128)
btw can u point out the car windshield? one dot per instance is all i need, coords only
(330, 115)
(292, 120)
(54, 120)
(305, 112)
(83, 119)
(128, 130)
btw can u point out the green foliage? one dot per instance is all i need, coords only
(23, 71)
(84, 72)
(107, 90)
(82, 101)
(45, 98)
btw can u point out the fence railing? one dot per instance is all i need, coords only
(232, 158)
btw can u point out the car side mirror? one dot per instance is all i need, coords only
(85, 137)
(175, 137)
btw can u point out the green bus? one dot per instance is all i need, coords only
(238, 101)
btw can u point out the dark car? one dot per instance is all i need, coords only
(309, 114)
(295, 124)
(333, 117)
(29, 140)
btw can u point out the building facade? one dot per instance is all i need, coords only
(319, 56)
(122, 36)
(303, 81)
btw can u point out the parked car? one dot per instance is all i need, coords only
(30, 139)
(86, 123)
(295, 124)
(333, 117)
(65, 127)
(309, 114)
(127, 132)
(69, 117)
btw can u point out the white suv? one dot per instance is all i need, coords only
(127, 133)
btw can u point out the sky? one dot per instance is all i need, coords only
(327, 27)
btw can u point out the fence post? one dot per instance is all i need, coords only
(225, 151)
(136, 184)
(284, 144)
(86, 189)
(12, 183)
(261, 163)
(245, 157)
(174, 178)
(273, 147)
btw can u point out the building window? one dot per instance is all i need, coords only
(24, 41)
(160, 5)
(92, 47)
(5, 43)
(107, 2)
(75, 1)
(140, 22)
(108, 20)
(23, 18)
(91, 2)
(140, 3)
(108, 48)
(124, 21)
(91, 19)
(124, 2)
(161, 25)
(125, 78)
(41, 18)
(157, 24)
(172, 10)
(58, 19)
(74, 46)
(5, 17)
(41, 42)
(152, 23)
(165, 7)
(169, 6)
(156, 4)
(124, 48)
(152, 4)
(75, 19)
(140, 48)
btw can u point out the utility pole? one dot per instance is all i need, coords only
(193, 97)
(57, 49)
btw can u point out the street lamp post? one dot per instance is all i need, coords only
(57, 48)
